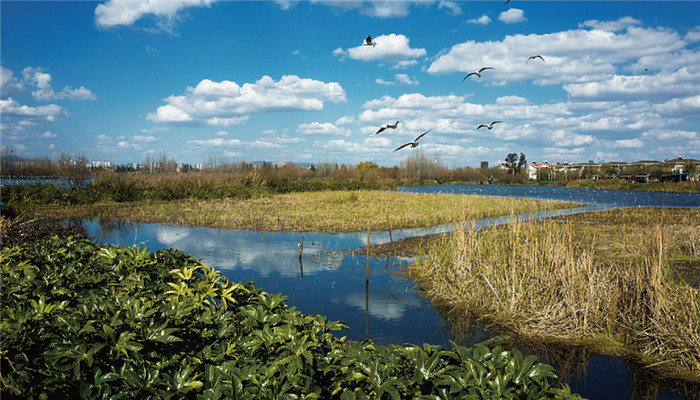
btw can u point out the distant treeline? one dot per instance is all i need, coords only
(235, 180)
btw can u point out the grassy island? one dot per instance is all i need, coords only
(623, 281)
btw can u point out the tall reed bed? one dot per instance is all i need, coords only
(574, 282)
(326, 211)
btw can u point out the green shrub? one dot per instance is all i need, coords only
(84, 321)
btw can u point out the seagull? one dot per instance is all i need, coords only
(477, 73)
(368, 41)
(386, 126)
(414, 143)
(533, 57)
(489, 126)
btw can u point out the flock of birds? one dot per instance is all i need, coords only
(414, 143)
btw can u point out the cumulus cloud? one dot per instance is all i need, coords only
(227, 103)
(399, 79)
(144, 138)
(42, 81)
(49, 135)
(326, 128)
(684, 82)
(628, 144)
(216, 142)
(483, 20)
(126, 12)
(452, 7)
(611, 26)
(512, 16)
(573, 56)
(10, 107)
(392, 48)
(9, 84)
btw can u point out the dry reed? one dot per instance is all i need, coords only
(569, 281)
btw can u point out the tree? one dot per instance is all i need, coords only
(74, 170)
(522, 163)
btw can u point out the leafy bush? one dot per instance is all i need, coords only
(84, 321)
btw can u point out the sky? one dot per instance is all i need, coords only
(291, 81)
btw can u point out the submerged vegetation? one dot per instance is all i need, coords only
(80, 320)
(607, 279)
(326, 211)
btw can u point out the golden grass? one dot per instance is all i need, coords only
(327, 211)
(566, 280)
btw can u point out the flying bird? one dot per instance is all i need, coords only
(386, 126)
(477, 73)
(414, 143)
(533, 57)
(368, 41)
(489, 126)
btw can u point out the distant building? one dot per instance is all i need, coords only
(100, 164)
(533, 167)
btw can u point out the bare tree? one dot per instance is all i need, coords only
(74, 169)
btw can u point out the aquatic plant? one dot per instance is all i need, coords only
(608, 284)
(80, 320)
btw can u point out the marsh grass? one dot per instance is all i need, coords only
(325, 211)
(606, 284)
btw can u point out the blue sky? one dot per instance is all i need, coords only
(123, 80)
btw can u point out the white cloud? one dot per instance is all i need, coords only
(49, 135)
(405, 79)
(398, 79)
(483, 20)
(344, 120)
(511, 100)
(216, 142)
(227, 103)
(221, 133)
(693, 35)
(10, 107)
(452, 6)
(9, 84)
(628, 144)
(286, 4)
(684, 82)
(326, 128)
(573, 56)
(670, 134)
(124, 145)
(611, 26)
(143, 138)
(392, 48)
(126, 12)
(42, 81)
(512, 16)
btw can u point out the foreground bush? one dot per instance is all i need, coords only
(84, 321)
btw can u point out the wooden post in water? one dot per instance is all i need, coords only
(389, 224)
(301, 249)
(367, 269)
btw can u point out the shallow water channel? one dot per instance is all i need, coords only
(330, 280)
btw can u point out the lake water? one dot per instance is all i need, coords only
(330, 280)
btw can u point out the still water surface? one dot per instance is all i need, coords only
(330, 279)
